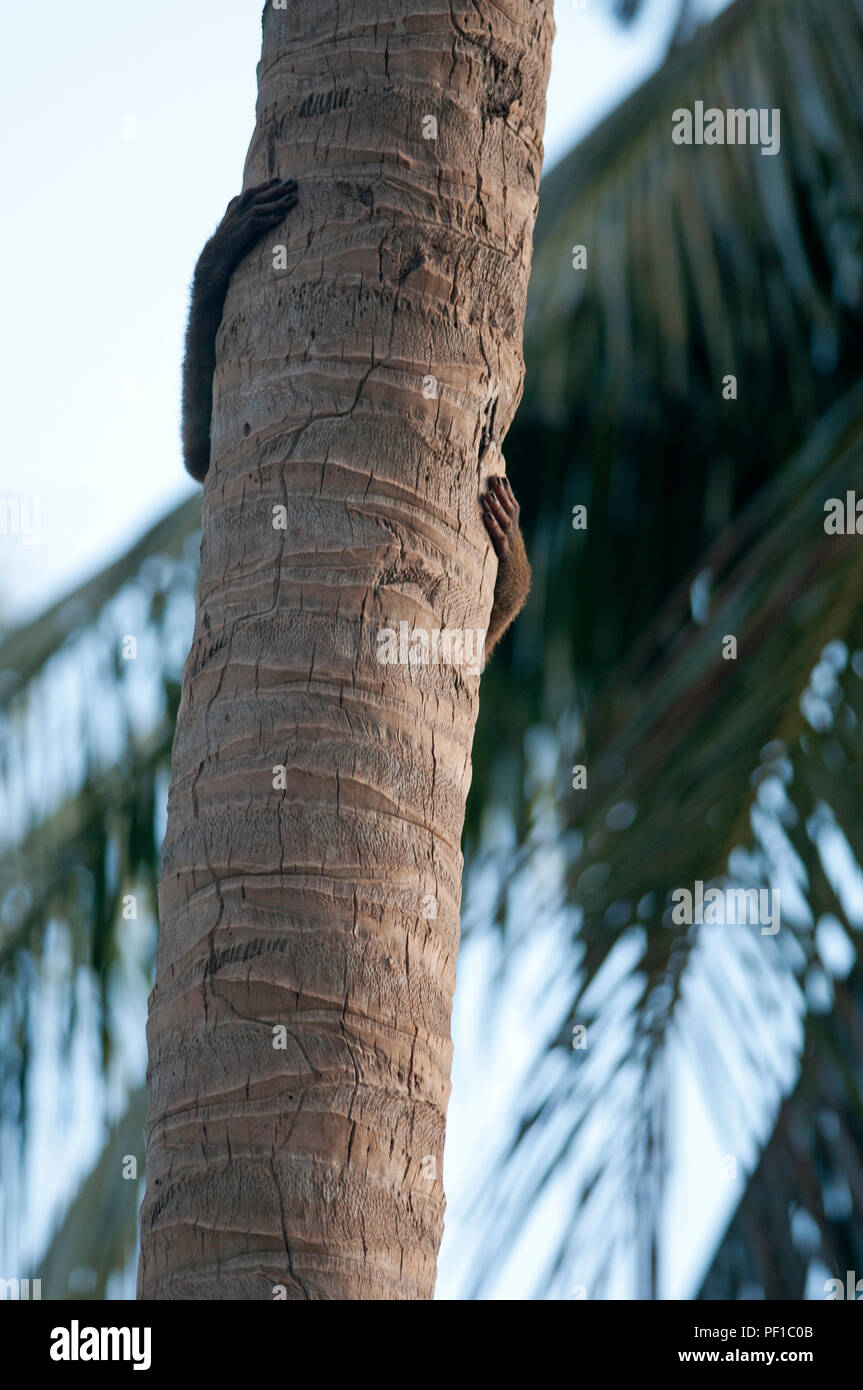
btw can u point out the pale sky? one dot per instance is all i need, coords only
(124, 130)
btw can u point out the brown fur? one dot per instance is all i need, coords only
(500, 514)
(247, 218)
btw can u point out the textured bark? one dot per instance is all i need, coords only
(332, 907)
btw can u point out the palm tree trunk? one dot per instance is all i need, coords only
(306, 1163)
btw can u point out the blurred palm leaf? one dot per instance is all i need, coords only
(26, 650)
(702, 262)
(682, 750)
(83, 768)
(705, 519)
(98, 1236)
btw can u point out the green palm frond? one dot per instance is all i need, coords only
(702, 262)
(710, 260)
(85, 740)
(677, 725)
(81, 824)
(805, 1196)
(26, 650)
(678, 744)
(804, 1201)
(705, 519)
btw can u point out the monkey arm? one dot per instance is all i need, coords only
(500, 514)
(247, 218)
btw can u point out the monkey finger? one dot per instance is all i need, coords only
(274, 193)
(249, 193)
(263, 222)
(283, 198)
(272, 211)
(491, 522)
(498, 539)
(503, 495)
(497, 511)
(512, 508)
(274, 208)
(257, 190)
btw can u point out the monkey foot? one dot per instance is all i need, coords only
(500, 513)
